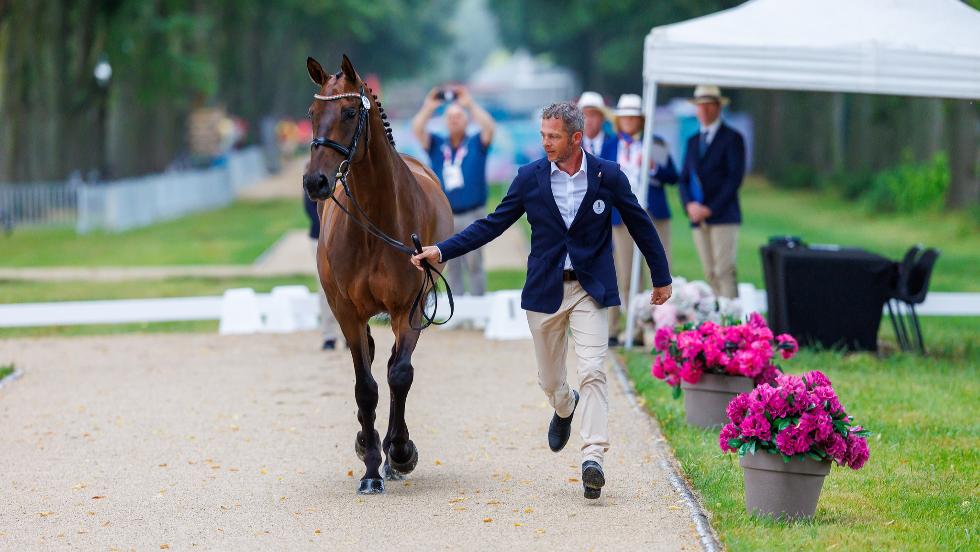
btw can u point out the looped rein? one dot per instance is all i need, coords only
(429, 283)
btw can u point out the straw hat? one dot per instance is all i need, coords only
(705, 93)
(593, 100)
(629, 105)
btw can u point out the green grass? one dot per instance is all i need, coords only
(236, 234)
(919, 490)
(823, 218)
(6, 370)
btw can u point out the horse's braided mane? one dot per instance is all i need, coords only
(384, 117)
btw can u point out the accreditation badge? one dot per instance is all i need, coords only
(452, 176)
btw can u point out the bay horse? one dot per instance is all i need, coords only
(363, 267)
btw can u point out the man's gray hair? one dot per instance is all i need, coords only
(570, 115)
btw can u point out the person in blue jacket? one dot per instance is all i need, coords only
(460, 162)
(714, 166)
(628, 152)
(595, 139)
(568, 197)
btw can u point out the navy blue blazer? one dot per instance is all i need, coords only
(719, 171)
(588, 241)
(610, 143)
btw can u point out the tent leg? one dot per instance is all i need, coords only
(649, 105)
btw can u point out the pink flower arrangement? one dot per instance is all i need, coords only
(744, 349)
(797, 416)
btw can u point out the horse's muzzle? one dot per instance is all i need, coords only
(318, 186)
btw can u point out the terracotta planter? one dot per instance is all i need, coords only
(787, 490)
(705, 401)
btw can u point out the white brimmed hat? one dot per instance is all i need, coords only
(705, 93)
(629, 105)
(591, 99)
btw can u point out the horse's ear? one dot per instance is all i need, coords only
(317, 73)
(348, 68)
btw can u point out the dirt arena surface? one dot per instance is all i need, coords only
(196, 441)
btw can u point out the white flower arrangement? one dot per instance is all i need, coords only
(690, 302)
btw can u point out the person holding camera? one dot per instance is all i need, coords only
(460, 161)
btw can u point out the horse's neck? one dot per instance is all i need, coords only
(376, 179)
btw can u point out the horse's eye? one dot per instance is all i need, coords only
(349, 114)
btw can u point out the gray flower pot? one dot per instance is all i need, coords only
(786, 490)
(705, 401)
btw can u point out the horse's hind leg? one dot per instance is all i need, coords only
(368, 442)
(402, 456)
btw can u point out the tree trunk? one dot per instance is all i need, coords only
(964, 169)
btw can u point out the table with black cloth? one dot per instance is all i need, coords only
(827, 297)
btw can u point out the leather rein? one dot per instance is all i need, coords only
(343, 170)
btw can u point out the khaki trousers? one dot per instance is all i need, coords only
(623, 259)
(328, 324)
(469, 265)
(586, 319)
(716, 245)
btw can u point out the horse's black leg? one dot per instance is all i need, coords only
(366, 396)
(401, 451)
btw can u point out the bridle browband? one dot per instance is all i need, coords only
(343, 170)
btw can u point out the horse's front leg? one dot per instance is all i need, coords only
(402, 456)
(368, 442)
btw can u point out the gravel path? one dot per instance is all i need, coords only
(184, 442)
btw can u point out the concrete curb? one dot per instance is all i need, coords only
(709, 541)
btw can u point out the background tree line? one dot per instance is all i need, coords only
(852, 142)
(171, 56)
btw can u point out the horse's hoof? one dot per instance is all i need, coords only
(392, 475)
(359, 449)
(371, 486)
(406, 467)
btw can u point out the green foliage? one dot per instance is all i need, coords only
(796, 177)
(601, 41)
(915, 492)
(849, 184)
(6, 370)
(170, 56)
(910, 186)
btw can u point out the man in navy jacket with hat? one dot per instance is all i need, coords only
(714, 165)
(571, 280)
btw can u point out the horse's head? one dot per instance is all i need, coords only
(339, 113)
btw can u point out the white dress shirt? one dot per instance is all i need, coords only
(711, 129)
(594, 145)
(569, 191)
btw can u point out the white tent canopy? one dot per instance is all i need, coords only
(902, 47)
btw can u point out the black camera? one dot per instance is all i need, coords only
(446, 95)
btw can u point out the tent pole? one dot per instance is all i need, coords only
(649, 106)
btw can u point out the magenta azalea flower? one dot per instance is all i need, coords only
(756, 425)
(728, 432)
(796, 415)
(857, 451)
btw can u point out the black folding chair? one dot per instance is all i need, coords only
(913, 286)
(904, 269)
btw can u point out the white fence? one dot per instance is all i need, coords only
(39, 203)
(135, 202)
(132, 202)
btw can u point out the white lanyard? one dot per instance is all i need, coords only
(452, 171)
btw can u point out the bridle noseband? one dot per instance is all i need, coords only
(349, 151)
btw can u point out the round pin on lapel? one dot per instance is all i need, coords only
(599, 206)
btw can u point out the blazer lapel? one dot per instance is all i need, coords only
(544, 183)
(592, 172)
(719, 136)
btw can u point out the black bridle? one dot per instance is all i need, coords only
(343, 170)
